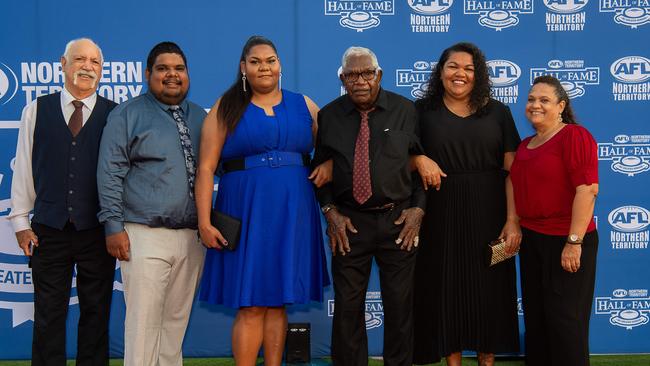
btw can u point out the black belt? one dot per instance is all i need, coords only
(271, 159)
(374, 209)
(378, 209)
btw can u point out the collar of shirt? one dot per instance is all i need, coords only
(68, 108)
(381, 102)
(184, 105)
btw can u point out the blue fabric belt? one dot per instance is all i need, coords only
(273, 159)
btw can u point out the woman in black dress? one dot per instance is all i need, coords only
(460, 302)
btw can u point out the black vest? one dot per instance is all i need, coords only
(65, 167)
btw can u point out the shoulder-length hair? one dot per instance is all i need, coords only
(480, 93)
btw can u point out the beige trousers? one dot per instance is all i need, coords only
(159, 283)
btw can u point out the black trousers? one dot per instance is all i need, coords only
(53, 262)
(557, 304)
(375, 238)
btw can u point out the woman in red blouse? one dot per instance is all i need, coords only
(555, 182)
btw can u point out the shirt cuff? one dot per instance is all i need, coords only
(113, 227)
(20, 223)
(419, 200)
(324, 195)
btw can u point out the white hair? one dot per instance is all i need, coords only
(66, 53)
(355, 51)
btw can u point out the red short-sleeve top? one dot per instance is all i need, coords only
(544, 179)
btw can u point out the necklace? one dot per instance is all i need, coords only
(541, 138)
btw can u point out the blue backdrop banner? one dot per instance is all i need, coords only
(599, 49)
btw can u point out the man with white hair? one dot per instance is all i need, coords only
(373, 206)
(55, 175)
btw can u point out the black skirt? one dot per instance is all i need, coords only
(461, 303)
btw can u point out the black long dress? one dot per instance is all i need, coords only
(460, 302)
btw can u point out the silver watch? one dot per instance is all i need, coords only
(574, 239)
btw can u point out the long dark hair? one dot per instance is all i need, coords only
(568, 116)
(235, 100)
(480, 93)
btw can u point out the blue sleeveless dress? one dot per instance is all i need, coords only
(280, 258)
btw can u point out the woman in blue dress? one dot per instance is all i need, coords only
(261, 135)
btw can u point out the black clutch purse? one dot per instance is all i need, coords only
(496, 252)
(229, 227)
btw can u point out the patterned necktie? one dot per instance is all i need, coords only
(77, 118)
(361, 187)
(186, 144)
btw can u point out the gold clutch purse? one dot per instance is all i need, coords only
(496, 252)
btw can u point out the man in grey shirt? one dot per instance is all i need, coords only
(145, 176)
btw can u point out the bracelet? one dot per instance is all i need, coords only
(325, 209)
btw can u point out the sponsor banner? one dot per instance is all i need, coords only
(430, 16)
(631, 78)
(374, 311)
(415, 77)
(629, 228)
(8, 84)
(359, 15)
(26, 81)
(629, 154)
(498, 15)
(520, 38)
(627, 309)
(631, 13)
(16, 290)
(16, 287)
(504, 75)
(573, 74)
(565, 15)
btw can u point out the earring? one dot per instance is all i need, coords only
(559, 118)
(280, 82)
(243, 81)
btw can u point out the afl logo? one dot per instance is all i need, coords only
(8, 84)
(565, 6)
(555, 64)
(503, 72)
(629, 218)
(619, 293)
(430, 7)
(421, 65)
(631, 69)
(622, 139)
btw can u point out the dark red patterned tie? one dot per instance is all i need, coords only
(77, 118)
(361, 187)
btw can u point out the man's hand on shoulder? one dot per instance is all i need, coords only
(118, 245)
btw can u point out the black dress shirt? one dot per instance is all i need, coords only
(393, 138)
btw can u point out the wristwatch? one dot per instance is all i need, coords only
(325, 209)
(574, 239)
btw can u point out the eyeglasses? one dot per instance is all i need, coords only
(367, 75)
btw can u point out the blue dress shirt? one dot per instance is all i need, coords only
(141, 174)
